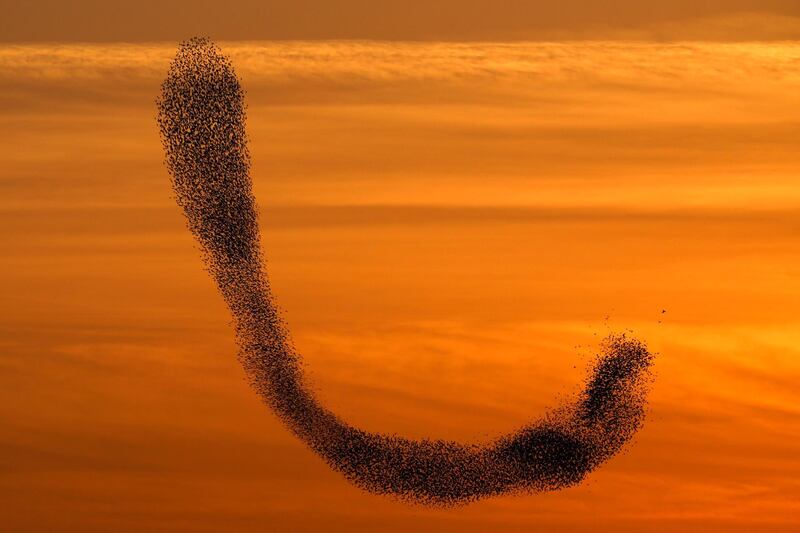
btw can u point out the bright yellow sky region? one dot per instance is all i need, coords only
(450, 228)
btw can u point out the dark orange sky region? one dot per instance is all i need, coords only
(458, 201)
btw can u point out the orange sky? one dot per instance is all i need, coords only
(450, 228)
(436, 20)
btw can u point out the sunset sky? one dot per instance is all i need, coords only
(458, 201)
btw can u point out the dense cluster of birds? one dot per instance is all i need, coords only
(201, 116)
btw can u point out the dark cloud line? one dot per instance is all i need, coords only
(148, 20)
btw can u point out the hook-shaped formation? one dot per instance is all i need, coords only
(201, 114)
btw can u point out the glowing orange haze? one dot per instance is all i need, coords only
(450, 229)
